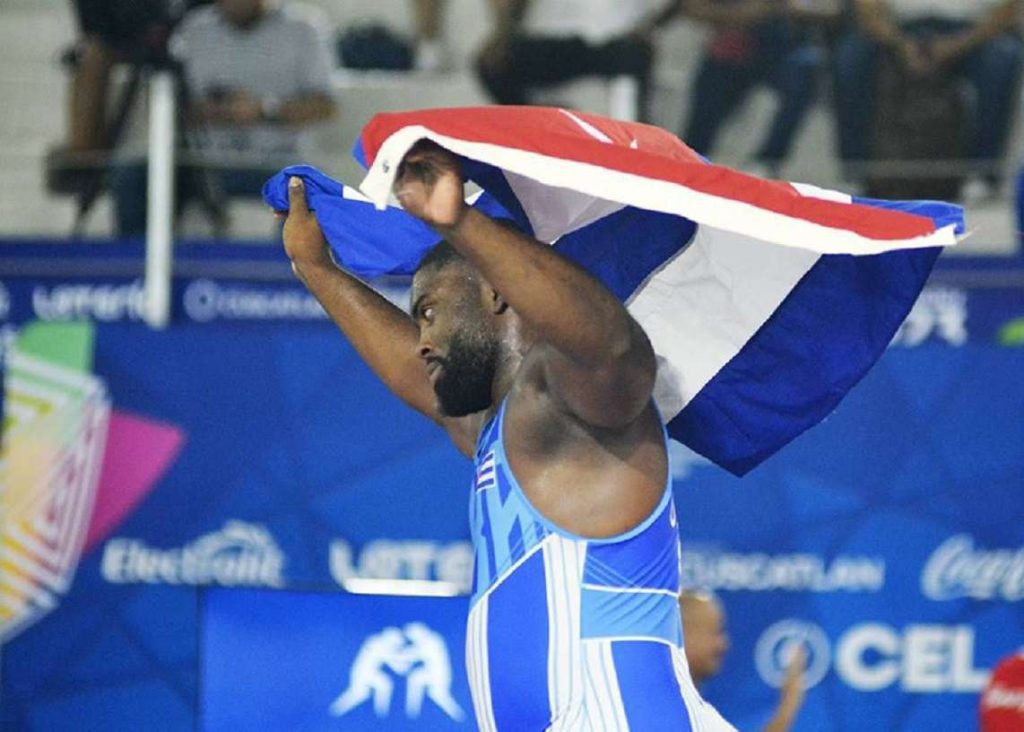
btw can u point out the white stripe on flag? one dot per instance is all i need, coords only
(703, 306)
(643, 192)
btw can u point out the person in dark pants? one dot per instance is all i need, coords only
(977, 41)
(543, 43)
(754, 43)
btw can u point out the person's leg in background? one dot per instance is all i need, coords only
(994, 70)
(537, 62)
(532, 62)
(128, 187)
(626, 56)
(853, 86)
(717, 91)
(794, 79)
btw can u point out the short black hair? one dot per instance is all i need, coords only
(443, 253)
(440, 256)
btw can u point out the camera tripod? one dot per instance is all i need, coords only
(92, 181)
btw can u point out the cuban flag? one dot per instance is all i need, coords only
(766, 301)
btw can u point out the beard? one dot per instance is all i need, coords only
(464, 386)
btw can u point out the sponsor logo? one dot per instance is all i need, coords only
(940, 313)
(757, 572)
(206, 300)
(777, 644)
(103, 303)
(957, 569)
(923, 659)
(1000, 697)
(238, 554)
(414, 652)
(413, 560)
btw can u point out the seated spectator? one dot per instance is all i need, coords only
(706, 642)
(974, 40)
(112, 31)
(259, 77)
(543, 43)
(755, 43)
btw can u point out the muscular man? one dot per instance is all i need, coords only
(542, 377)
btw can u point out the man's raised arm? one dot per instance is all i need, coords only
(383, 334)
(596, 358)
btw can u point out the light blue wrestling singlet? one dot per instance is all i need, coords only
(568, 633)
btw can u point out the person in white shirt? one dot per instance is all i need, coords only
(259, 76)
(978, 40)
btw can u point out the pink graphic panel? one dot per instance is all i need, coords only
(139, 451)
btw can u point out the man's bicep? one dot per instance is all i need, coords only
(609, 395)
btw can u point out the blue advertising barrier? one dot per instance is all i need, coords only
(316, 661)
(252, 468)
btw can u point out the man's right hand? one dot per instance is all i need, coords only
(304, 241)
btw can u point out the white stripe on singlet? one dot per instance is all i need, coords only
(687, 688)
(703, 716)
(563, 572)
(604, 694)
(477, 666)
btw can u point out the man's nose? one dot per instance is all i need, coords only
(424, 348)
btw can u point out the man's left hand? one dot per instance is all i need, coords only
(430, 186)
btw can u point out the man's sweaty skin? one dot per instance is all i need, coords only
(582, 435)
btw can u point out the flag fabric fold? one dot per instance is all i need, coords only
(766, 302)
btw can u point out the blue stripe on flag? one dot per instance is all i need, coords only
(626, 247)
(366, 241)
(831, 328)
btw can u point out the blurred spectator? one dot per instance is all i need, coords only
(975, 40)
(1002, 701)
(112, 31)
(706, 642)
(259, 76)
(539, 43)
(755, 43)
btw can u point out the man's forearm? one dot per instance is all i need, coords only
(560, 302)
(383, 334)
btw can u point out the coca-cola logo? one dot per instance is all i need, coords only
(958, 569)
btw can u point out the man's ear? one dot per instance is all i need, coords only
(497, 302)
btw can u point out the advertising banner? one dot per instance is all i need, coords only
(319, 661)
(187, 513)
